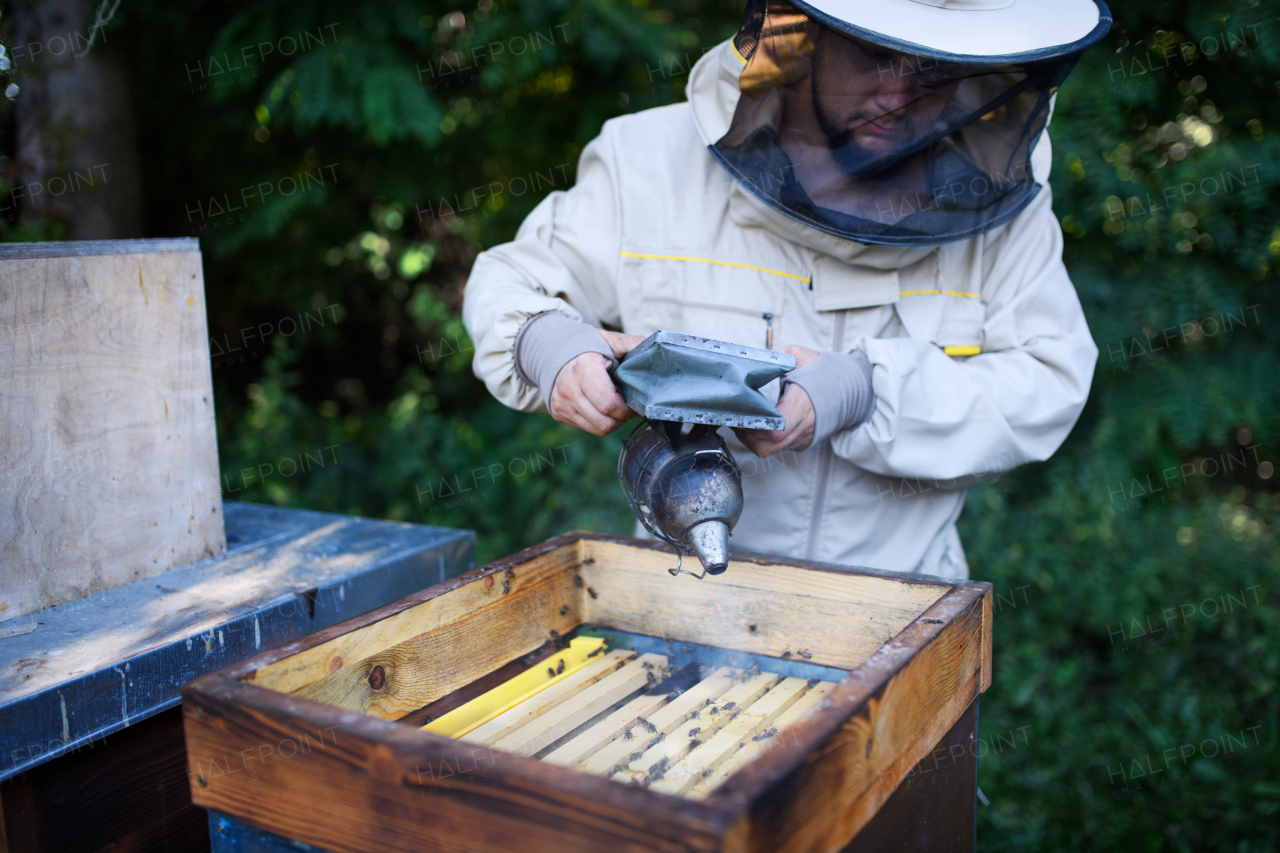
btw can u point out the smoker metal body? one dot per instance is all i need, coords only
(686, 489)
(676, 472)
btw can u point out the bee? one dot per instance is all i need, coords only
(577, 581)
(506, 587)
(560, 668)
(648, 725)
(695, 743)
(593, 593)
(551, 672)
(564, 609)
(628, 735)
(555, 635)
(804, 653)
(693, 731)
(811, 682)
(786, 654)
(729, 706)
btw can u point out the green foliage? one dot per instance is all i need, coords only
(1138, 569)
(341, 194)
(342, 191)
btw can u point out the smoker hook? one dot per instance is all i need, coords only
(680, 562)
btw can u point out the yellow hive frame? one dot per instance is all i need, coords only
(527, 684)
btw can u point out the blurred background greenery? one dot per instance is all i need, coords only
(342, 187)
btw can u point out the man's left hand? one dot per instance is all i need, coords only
(796, 407)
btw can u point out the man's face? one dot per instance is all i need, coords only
(873, 98)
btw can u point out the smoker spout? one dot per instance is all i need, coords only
(710, 541)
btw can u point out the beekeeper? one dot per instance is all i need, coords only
(866, 183)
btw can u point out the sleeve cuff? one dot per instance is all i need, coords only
(547, 342)
(839, 386)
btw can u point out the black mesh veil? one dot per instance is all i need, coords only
(879, 146)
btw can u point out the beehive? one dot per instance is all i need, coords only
(575, 696)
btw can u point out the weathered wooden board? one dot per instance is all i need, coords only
(108, 456)
(535, 595)
(836, 618)
(385, 786)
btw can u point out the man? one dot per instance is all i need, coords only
(867, 183)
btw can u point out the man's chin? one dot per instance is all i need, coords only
(876, 143)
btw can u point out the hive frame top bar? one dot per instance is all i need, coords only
(83, 248)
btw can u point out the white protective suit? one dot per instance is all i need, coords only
(656, 235)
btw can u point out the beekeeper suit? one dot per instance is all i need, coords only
(862, 184)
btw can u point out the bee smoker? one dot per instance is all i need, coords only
(685, 488)
(676, 471)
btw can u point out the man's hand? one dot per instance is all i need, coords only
(796, 407)
(620, 342)
(584, 397)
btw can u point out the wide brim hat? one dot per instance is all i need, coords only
(966, 31)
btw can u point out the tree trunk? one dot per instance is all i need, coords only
(77, 152)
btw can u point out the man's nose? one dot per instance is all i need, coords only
(894, 94)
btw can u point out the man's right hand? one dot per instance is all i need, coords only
(584, 395)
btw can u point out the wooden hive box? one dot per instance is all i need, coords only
(321, 740)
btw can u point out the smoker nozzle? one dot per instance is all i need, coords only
(710, 541)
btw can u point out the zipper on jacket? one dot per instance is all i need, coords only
(825, 454)
(711, 306)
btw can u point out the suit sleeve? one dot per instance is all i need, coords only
(966, 420)
(564, 258)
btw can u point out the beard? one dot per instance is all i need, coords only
(853, 159)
